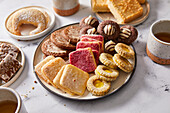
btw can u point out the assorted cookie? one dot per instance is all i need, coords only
(9, 64)
(72, 33)
(27, 16)
(128, 34)
(60, 41)
(83, 59)
(89, 21)
(49, 48)
(109, 29)
(98, 86)
(92, 48)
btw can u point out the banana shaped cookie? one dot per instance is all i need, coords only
(29, 16)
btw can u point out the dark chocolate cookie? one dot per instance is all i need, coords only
(109, 29)
(89, 21)
(72, 33)
(88, 30)
(60, 41)
(128, 34)
(110, 47)
(49, 48)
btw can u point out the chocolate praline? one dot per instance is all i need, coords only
(109, 29)
(89, 21)
(128, 34)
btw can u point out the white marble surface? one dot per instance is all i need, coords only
(147, 92)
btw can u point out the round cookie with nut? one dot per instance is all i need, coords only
(89, 21)
(128, 34)
(109, 29)
(88, 30)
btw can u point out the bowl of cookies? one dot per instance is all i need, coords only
(29, 23)
(87, 60)
(131, 12)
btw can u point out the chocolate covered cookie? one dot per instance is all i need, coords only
(110, 47)
(72, 33)
(88, 30)
(128, 34)
(49, 48)
(109, 29)
(89, 21)
(60, 41)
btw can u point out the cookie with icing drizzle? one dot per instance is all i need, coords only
(128, 34)
(109, 29)
(88, 30)
(89, 21)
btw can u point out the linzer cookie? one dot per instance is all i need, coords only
(128, 34)
(89, 21)
(6, 48)
(109, 29)
(72, 33)
(83, 59)
(49, 48)
(60, 41)
(8, 67)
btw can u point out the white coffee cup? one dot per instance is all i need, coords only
(8, 94)
(158, 50)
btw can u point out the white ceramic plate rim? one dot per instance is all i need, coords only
(51, 25)
(14, 78)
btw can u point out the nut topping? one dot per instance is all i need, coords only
(89, 20)
(109, 29)
(91, 31)
(125, 33)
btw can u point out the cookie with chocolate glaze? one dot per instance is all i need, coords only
(109, 29)
(88, 30)
(60, 41)
(89, 21)
(128, 34)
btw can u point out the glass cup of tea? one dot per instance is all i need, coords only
(158, 44)
(10, 101)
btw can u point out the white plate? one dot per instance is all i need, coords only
(109, 16)
(21, 58)
(50, 24)
(116, 85)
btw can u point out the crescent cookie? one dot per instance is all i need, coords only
(107, 60)
(124, 50)
(29, 16)
(123, 63)
(98, 86)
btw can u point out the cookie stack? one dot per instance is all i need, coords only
(67, 78)
(61, 42)
(9, 64)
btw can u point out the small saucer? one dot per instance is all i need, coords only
(21, 58)
(109, 16)
(50, 25)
